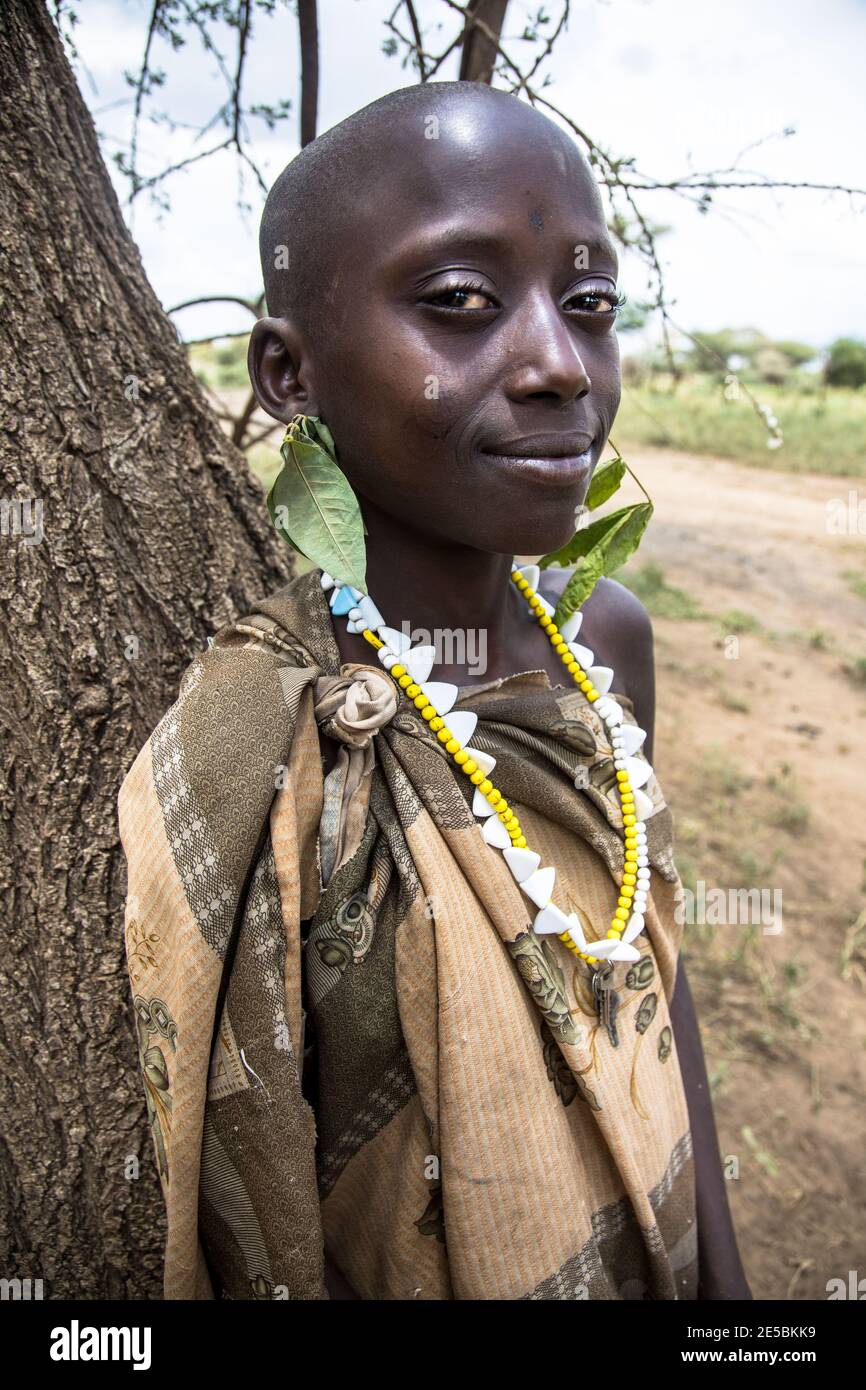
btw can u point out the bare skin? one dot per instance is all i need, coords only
(467, 367)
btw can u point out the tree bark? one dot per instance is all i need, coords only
(308, 27)
(154, 535)
(479, 55)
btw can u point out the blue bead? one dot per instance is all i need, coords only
(343, 601)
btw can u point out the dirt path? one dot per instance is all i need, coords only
(759, 745)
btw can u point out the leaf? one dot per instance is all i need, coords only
(602, 549)
(320, 434)
(626, 539)
(313, 497)
(605, 481)
(584, 540)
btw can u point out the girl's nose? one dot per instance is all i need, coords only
(546, 360)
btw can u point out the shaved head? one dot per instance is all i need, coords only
(322, 194)
(441, 290)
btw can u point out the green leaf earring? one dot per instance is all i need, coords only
(604, 546)
(313, 506)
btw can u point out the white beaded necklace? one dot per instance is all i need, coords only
(410, 667)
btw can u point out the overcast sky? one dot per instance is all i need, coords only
(679, 84)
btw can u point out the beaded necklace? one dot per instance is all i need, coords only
(410, 668)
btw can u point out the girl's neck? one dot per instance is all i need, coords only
(454, 597)
(430, 582)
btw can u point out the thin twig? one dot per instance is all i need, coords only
(254, 306)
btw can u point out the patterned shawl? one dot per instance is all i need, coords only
(350, 1036)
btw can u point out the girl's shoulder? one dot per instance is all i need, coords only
(617, 628)
(232, 726)
(610, 603)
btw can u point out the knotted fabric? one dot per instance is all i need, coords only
(351, 708)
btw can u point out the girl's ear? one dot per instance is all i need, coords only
(277, 370)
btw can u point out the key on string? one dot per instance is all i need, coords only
(606, 1001)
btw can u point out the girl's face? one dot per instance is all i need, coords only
(469, 369)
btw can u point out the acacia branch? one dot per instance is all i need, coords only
(139, 92)
(213, 337)
(551, 40)
(263, 433)
(141, 184)
(254, 306)
(710, 183)
(419, 43)
(240, 426)
(243, 34)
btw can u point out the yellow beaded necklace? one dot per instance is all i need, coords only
(628, 920)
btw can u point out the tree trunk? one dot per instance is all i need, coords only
(483, 32)
(308, 26)
(153, 535)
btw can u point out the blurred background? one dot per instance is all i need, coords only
(727, 142)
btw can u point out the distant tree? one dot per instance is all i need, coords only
(722, 351)
(797, 353)
(771, 365)
(633, 316)
(746, 351)
(846, 363)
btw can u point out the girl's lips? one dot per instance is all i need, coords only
(550, 470)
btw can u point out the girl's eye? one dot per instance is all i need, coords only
(471, 297)
(596, 300)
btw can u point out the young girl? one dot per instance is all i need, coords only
(412, 1023)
